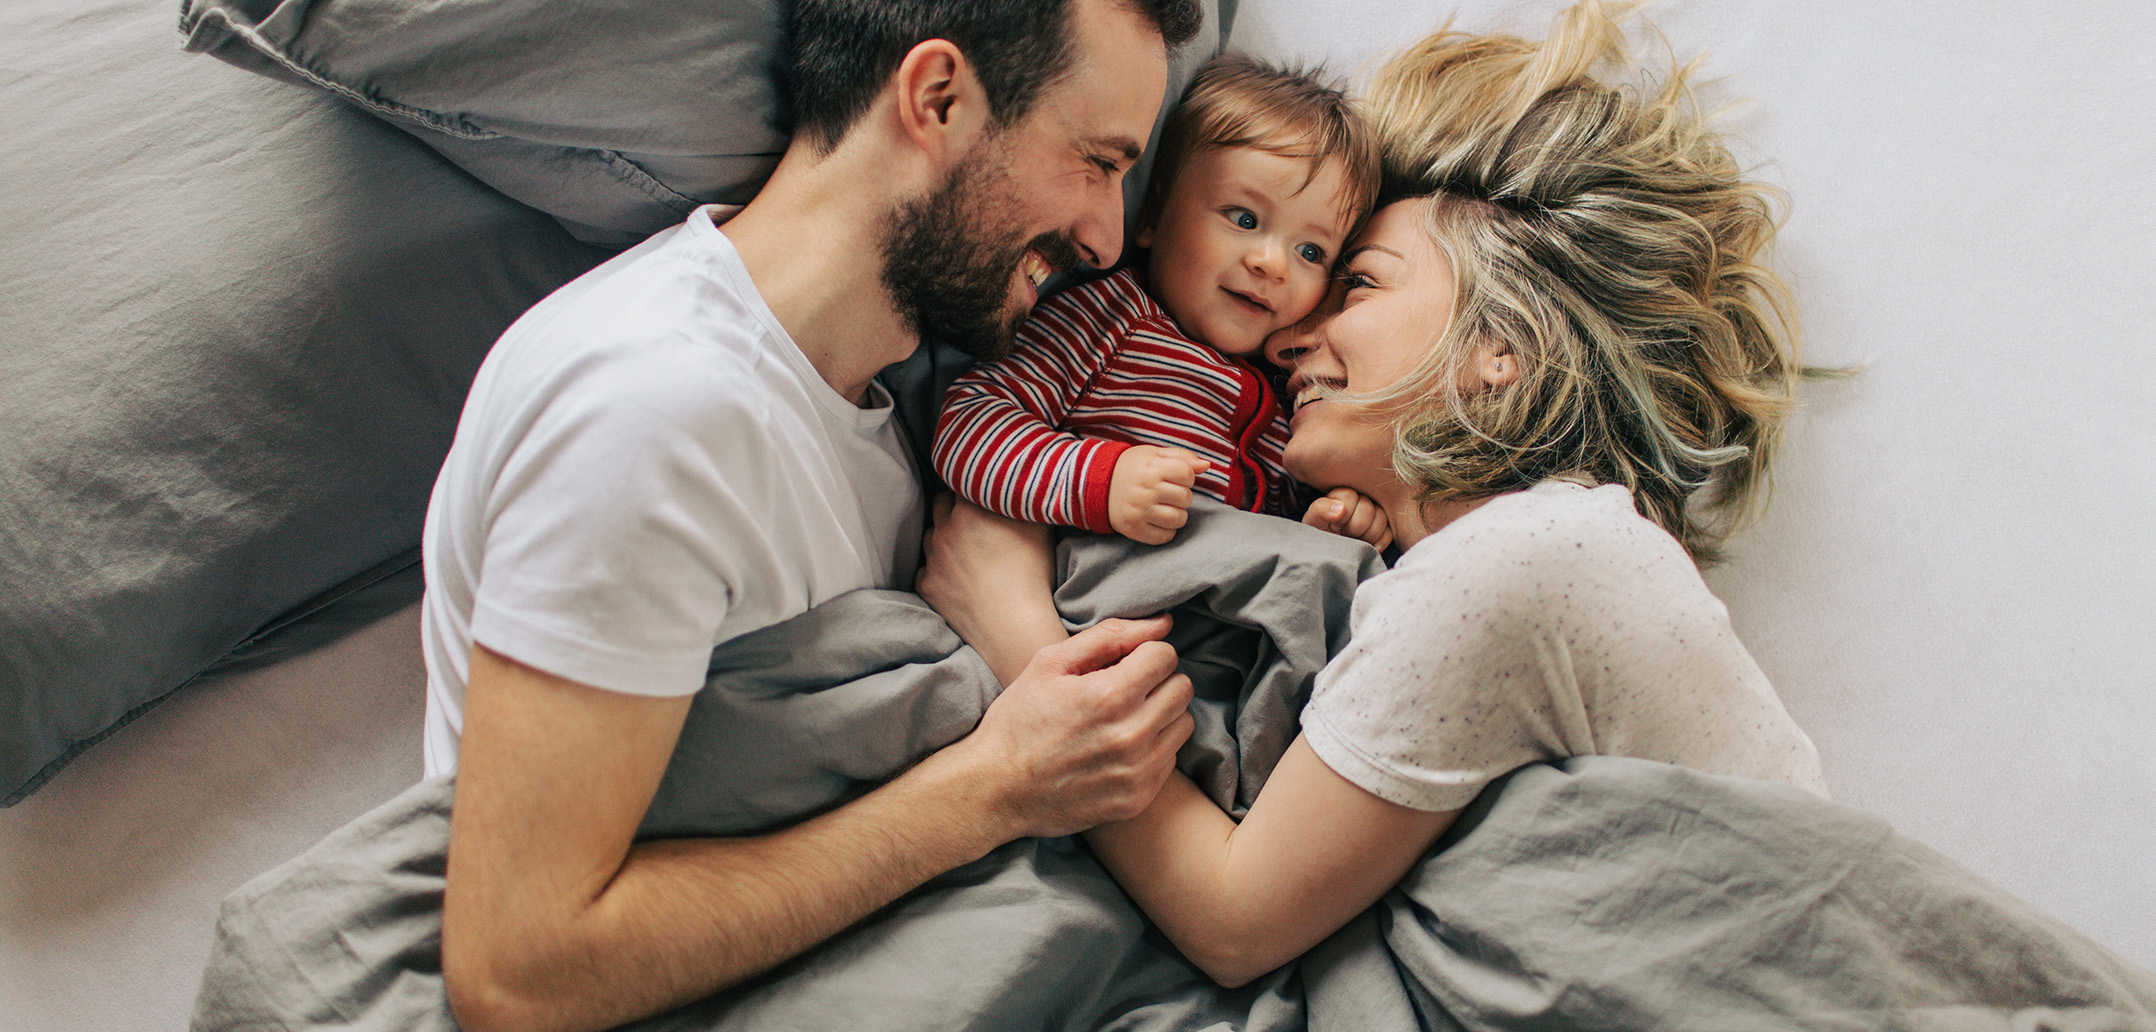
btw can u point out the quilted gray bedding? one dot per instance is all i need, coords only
(1601, 893)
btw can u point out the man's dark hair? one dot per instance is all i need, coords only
(842, 52)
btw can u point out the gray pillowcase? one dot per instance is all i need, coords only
(616, 117)
(237, 323)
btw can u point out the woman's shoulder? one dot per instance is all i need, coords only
(1558, 539)
(1549, 521)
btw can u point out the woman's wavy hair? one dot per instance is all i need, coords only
(1603, 235)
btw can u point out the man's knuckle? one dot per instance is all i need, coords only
(1155, 651)
(1125, 741)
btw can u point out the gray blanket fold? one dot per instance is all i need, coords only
(802, 716)
(1613, 894)
(1600, 893)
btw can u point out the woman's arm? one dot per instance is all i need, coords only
(1242, 899)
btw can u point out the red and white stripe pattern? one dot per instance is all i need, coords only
(1097, 369)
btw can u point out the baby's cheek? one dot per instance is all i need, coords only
(1298, 307)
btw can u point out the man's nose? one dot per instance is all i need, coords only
(1098, 233)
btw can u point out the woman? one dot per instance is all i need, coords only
(1555, 364)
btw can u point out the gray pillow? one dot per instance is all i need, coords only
(237, 322)
(615, 116)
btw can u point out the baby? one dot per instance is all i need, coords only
(1125, 395)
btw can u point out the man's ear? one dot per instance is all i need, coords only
(941, 104)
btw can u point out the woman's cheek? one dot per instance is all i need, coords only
(1315, 450)
(1296, 459)
(1336, 445)
(1302, 455)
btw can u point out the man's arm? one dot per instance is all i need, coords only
(553, 918)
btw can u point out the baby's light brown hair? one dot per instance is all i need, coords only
(1238, 101)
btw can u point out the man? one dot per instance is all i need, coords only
(687, 445)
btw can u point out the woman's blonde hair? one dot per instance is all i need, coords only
(1605, 237)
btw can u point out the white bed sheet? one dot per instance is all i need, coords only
(1952, 589)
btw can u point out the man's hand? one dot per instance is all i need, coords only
(1088, 733)
(1351, 513)
(1149, 492)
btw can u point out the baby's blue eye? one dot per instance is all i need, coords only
(1311, 253)
(1242, 218)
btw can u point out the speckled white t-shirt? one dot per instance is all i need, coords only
(1548, 623)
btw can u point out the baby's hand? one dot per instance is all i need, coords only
(1149, 492)
(1347, 511)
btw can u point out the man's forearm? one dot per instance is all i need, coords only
(686, 917)
(553, 918)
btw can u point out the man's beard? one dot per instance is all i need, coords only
(948, 262)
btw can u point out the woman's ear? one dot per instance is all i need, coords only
(1496, 365)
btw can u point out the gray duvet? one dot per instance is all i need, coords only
(1601, 893)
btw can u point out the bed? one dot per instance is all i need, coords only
(245, 311)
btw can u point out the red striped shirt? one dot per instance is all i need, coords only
(1097, 369)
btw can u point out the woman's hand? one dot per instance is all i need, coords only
(993, 579)
(1351, 513)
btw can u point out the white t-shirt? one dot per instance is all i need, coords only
(647, 466)
(1548, 623)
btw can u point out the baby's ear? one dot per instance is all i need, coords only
(1148, 213)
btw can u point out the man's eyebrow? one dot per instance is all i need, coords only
(1129, 148)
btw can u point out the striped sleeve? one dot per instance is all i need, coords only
(998, 442)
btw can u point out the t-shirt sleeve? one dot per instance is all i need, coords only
(997, 442)
(615, 527)
(1454, 676)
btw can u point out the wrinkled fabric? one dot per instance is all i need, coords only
(1612, 894)
(811, 712)
(1603, 893)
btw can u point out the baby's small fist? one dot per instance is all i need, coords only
(1350, 513)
